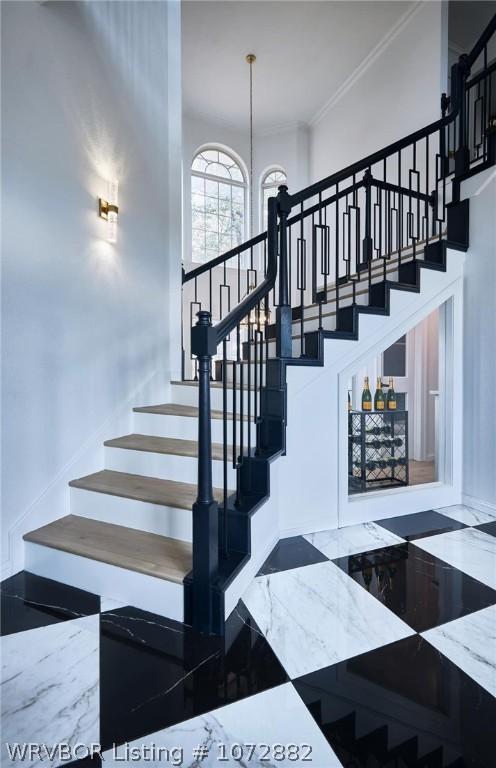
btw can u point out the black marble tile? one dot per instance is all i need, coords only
(92, 761)
(155, 672)
(418, 587)
(291, 553)
(404, 704)
(29, 601)
(489, 528)
(420, 524)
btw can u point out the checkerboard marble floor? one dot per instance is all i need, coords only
(372, 646)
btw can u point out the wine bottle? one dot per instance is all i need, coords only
(366, 396)
(379, 396)
(391, 396)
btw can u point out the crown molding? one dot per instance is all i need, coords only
(367, 61)
(290, 125)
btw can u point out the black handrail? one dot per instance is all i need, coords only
(481, 43)
(224, 257)
(462, 67)
(265, 402)
(225, 326)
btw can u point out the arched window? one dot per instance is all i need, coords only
(270, 183)
(218, 204)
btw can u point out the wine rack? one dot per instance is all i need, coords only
(377, 450)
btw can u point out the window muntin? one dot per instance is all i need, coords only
(270, 184)
(218, 204)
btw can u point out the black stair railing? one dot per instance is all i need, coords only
(246, 323)
(328, 252)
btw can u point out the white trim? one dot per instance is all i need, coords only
(217, 146)
(244, 185)
(262, 187)
(479, 504)
(367, 62)
(370, 506)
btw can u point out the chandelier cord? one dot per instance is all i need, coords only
(251, 58)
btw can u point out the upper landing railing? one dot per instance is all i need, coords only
(324, 248)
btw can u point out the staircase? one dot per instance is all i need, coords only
(170, 524)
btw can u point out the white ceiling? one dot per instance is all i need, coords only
(305, 51)
(467, 19)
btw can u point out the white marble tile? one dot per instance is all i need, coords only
(352, 539)
(469, 550)
(470, 643)
(466, 515)
(109, 604)
(50, 686)
(317, 615)
(277, 716)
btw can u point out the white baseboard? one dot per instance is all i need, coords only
(479, 504)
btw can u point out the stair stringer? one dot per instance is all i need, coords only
(310, 483)
(305, 482)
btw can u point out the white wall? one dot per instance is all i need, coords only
(90, 91)
(397, 93)
(479, 364)
(285, 148)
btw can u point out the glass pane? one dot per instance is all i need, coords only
(394, 359)
(211, 188)
(238, 195)
(216, 169)
(197, 185)
(211, 205)
(274, 178)
(225, 191)
(198, 238)
(197, 202)
(211, 155)
(224, 243)
(211, 222)
(199, 164)
(236, 174)
(198, 219)
(212, 242)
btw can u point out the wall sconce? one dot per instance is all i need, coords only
(108, 210)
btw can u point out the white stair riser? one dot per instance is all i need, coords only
(183, 469)
(185, 394)
(138, 589)
(140, 515)
(181, 427)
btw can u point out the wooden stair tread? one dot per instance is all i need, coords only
(165, 445)
(154, 490)
(148, 553)
(175, 409)
(215, 384)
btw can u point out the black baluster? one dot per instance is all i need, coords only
(367, 240)
(460, 71)
(283, 311)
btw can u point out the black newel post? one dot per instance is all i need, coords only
(367, 240)
(283, 311)
(462, 156)
(205, 509)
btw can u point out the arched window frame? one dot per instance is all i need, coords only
(240, 184)
(268, 185)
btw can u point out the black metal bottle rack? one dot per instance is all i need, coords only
(377, 450)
